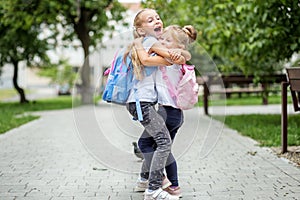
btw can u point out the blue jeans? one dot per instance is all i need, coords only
(173, 118)
(156, 130)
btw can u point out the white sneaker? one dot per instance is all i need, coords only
(141, 185)
(159, 194)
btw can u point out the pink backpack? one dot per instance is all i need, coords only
(186, 92)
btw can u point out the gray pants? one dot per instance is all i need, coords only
(156, 128)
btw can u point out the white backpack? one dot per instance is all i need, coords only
(186, 92)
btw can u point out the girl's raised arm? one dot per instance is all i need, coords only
(145, 58)
(164, 52)
(159, 60)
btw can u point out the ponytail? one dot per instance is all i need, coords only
(190, 32)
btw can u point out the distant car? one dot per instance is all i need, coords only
(64, 89)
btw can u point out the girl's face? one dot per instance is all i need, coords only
(151, 24)
(168, 41)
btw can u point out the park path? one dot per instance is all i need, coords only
(86, 153)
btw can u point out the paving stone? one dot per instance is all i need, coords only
(48, 159)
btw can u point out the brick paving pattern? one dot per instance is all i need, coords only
(46, 160)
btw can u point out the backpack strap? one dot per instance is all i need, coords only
(187, 69)
(138, 106)
(170, 86)
(114, 61)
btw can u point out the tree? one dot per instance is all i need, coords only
(22, 21)
(253, 36)
(19, 33)
(87, 21)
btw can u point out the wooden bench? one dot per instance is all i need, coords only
(293, 81)
(237, 84)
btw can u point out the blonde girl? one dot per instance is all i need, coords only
(173, 37)
(148, 24)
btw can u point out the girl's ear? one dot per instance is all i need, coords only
(141, 31)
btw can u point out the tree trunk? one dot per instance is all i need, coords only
(16, 85)
(86, 92)
(265, 93)
(81, 28)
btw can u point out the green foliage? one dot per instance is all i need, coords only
(66, 75)
(50, 71)
(266, 129)
(22, 21)
(87, 21)
(19, 31)
(253, 36)
(81, 19)
(61, 73)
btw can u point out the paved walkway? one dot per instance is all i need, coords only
(86, 153)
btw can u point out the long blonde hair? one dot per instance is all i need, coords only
(138, 68)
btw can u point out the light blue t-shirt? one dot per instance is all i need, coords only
(146, 88)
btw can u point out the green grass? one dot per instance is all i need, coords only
(15, 114)
(216, 100)
(7, 93)
(266, 129)
(252, 100)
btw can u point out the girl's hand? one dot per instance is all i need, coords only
(174, 55)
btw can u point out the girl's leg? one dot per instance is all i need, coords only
(146, 144)
(155, 126)
(171, 170)
(174, 119)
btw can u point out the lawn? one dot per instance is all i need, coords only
(243, 100)
(7, 93)
(266, 129)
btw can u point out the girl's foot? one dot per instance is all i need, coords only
(174, 190)
(159, 194)
(165, 183)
